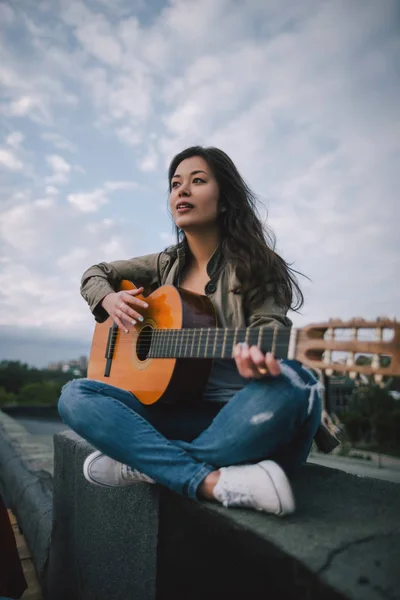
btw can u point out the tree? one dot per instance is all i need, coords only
(44, 392)
(371, 399)
(14, 375)
(6, 397)
(373, 417)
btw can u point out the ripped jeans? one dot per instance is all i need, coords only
(178, 446)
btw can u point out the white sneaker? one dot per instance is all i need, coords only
(263, 486)
(103, 470)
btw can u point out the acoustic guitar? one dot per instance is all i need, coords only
(168, 357)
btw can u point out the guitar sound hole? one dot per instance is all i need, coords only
(144, 343)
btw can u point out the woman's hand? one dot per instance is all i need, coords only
(119, 307)
(253, 364)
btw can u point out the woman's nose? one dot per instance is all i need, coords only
(184, 190)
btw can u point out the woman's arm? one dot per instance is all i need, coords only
(100, 280)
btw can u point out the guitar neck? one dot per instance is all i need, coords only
(218, 342)
(313, 345)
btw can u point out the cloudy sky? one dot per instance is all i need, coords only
(96, 97)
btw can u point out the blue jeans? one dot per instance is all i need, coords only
(178, 446)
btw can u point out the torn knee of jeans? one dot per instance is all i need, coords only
(261, 417)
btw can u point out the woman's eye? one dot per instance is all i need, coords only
(173, 184)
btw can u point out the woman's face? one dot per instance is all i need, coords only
(193, 184)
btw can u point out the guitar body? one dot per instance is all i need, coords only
(168, 380)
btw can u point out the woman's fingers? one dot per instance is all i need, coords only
(244, 363)
(120, 324)
(252, 363)
(273, 365)
(124, 311)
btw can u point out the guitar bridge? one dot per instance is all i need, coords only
(112, 336)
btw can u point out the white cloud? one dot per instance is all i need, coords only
(21, 107)
(15, 139)
(7, 15)
(21, 226)
(149, 162)
(92, 201)
(95, 36)
(61, 169)
(114, 186)
(100, 226)
(58, 141)
(51, 190)
(88, 202)
(9, 160)
(129, 135)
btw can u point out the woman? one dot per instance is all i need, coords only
(259, 416)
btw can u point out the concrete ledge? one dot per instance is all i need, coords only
(343, 542)
(146, 542)
(26, 484)
(104, 541)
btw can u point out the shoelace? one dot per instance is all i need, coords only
(236, 492)
(130, 473)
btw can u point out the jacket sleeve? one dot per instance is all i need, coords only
(105, 278)
(267, 313)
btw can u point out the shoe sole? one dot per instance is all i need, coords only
(281, 485)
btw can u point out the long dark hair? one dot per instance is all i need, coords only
(246, 242)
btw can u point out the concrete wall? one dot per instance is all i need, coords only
(144, 542)
(26, 484)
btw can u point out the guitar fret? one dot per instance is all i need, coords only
(198, 347)
(259, 337)
(208, 334)
(186, 343)
(223, 344)
(191, 348)
(158, 343)
(282, 342)
(165, 344)
(173, 342)
(215, 341)
(273, 348)
(181, 342)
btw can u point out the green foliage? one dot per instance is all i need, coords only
(357, 426)
(395, 416)
(7, 397)
(373, 417)
(44, 392)
(371, 399)
(21, 384)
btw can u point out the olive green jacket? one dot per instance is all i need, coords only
(223, 289)
(153, 270)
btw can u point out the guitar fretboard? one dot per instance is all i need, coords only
(217, 342)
